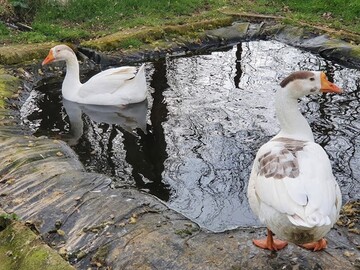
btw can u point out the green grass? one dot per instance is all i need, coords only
(84, 19)
(81, 19)
(131, 43)
(348, 10)
(342, 14)
(3, 29)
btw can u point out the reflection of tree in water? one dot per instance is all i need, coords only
(239, 71)
(344, 147)
(209, 163)
(148, 153)
(218, 112)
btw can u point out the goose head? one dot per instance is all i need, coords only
(59, 53)
(302, 83)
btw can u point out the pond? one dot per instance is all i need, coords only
(193, 142)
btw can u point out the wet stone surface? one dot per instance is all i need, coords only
(192, 144)
(94, 226)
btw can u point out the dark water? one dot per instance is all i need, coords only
(193, 142)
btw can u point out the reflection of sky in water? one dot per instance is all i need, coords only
(221, 111)
(207, 117)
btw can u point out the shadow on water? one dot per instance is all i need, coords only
(193, 142)
(148, 159)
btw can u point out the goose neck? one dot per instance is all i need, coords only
(71, 83)
(293, 124)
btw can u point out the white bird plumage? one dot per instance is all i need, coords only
(114, 86)
(291, 187)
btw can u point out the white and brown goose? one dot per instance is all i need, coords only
(292, 188)
(114, 86)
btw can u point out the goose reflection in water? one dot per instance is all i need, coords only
(128, 117)
(209, 114)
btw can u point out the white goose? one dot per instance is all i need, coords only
(292, 188)
(115, 86)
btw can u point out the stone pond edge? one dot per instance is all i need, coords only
(159, 41)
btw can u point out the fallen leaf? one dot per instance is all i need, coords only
(60, 232)
(132, 220)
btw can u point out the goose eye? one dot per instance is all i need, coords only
(312, 79)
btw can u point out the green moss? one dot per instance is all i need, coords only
(131, 43)
(189, 230)
(23, 53)
(124, 39)
(99, 257)
(136, 38)
(355, 51)
(7, 216)
(21, 249)
(8, 86)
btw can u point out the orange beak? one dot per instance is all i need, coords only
(49, 58)
(327, 86)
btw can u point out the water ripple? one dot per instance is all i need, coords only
(207, 117)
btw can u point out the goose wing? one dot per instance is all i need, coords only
(295, 178)
(108, 81)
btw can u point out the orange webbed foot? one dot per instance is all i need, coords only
(270, 243)
(316, 246)
(275, 245)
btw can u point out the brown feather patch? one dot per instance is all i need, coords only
(301, 75)
(283, 163)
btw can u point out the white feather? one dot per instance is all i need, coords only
(115, 86)
(303, 196)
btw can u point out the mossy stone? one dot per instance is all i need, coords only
(14, 54)
(8, 86)
(147, 35)
(22, 249)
